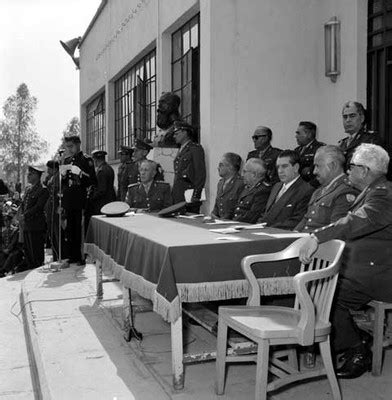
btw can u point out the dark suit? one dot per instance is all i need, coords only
(306, 161)
(328, 204)
(123, 179)
(362, 136)
(189, 173)
(74, 188)
(157, 198)
(227, 197)
(251, 203)
(366, 271)
(288, 210)
(269, 156)
(103, 193)
(34, 224)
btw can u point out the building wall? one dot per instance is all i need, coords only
(262, 63)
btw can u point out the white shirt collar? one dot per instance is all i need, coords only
(287, 185)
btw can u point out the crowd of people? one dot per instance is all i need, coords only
(328, 190)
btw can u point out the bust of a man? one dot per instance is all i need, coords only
(167, 113)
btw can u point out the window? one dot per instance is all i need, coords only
(95, 111)
(135, 103)
(379, 80)
(185, 69)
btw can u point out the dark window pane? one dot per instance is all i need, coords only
(377, 40)
(376, 6)
(176, 75)
(95, 123)
(176, 45)
(376, 23)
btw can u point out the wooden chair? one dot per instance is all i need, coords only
(380, 308)
(305, 324)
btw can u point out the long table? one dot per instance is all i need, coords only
(179, 260)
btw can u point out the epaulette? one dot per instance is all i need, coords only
(381, 187)
(133, 184)
(162, 182)
(268, 184)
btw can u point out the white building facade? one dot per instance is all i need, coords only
(236, 64)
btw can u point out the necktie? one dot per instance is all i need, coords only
(281, 192)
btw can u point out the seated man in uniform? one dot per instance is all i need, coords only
(289, 198)
(307, 147)
(366, 270)
(334, 197)
(149, 194)
(262, 137)
(253, 199)
(230, 186)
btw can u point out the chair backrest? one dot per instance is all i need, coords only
(314, 285)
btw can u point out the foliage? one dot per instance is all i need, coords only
(72, 129)
(20, 144)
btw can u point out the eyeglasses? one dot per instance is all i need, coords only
(352, 165)
(255, 137)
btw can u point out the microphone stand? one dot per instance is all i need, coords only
(60, 263)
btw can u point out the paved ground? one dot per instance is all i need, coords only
(81, 354)
(15, 379)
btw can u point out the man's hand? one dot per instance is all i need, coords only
(307, 250)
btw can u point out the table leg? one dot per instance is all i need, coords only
(98, 269)
(126, 314)
(177, 354)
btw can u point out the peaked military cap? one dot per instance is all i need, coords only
(52, 164)
(37, 170)
(126, 150)
(72, 138)
(140, 144)
(98, 153)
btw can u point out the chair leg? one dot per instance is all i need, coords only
(325, 350)
(292, 358)
(262, 370)
(221, 356)
(378, 336)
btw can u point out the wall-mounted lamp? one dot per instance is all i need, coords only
(70, 47)
(332, 48)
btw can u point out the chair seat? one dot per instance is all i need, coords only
(268, 322)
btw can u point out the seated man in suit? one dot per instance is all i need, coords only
(289, 198)
(334, 197)
(149, 194)
(253, 199)
(230, 186)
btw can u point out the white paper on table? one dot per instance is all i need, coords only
(224, 230)
(283, 235)
(249, 227)
(194, 216)
(220, 222)
(189, 194)
(229, 238)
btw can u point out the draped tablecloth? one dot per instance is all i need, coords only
(171, 261)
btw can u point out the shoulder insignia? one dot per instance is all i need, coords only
(381, 187)
(350, 197)
(133, 184)
(268, 184)
(162, 182)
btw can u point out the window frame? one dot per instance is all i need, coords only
(96, 124)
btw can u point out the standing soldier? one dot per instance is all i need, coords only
(103, 192)
(124, 171)
(189, 166)
(52, 207)
(140, 154)
(33, 220)
(77, 175)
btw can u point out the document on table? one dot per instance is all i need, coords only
(283, 235)
(249, 227)
(224, 230)
(220, 222)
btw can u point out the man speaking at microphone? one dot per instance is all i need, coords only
(78, 174)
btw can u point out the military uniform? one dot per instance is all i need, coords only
(157, 198)
(189, 173)
(286, 211)
(252, 202)
(74, 188)
(328, 204)
(306, 161)
(103, 192)
(124, 179)
(362, 136)
(34, 224)
(227, 197)
(269, 156)
(366, 271)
